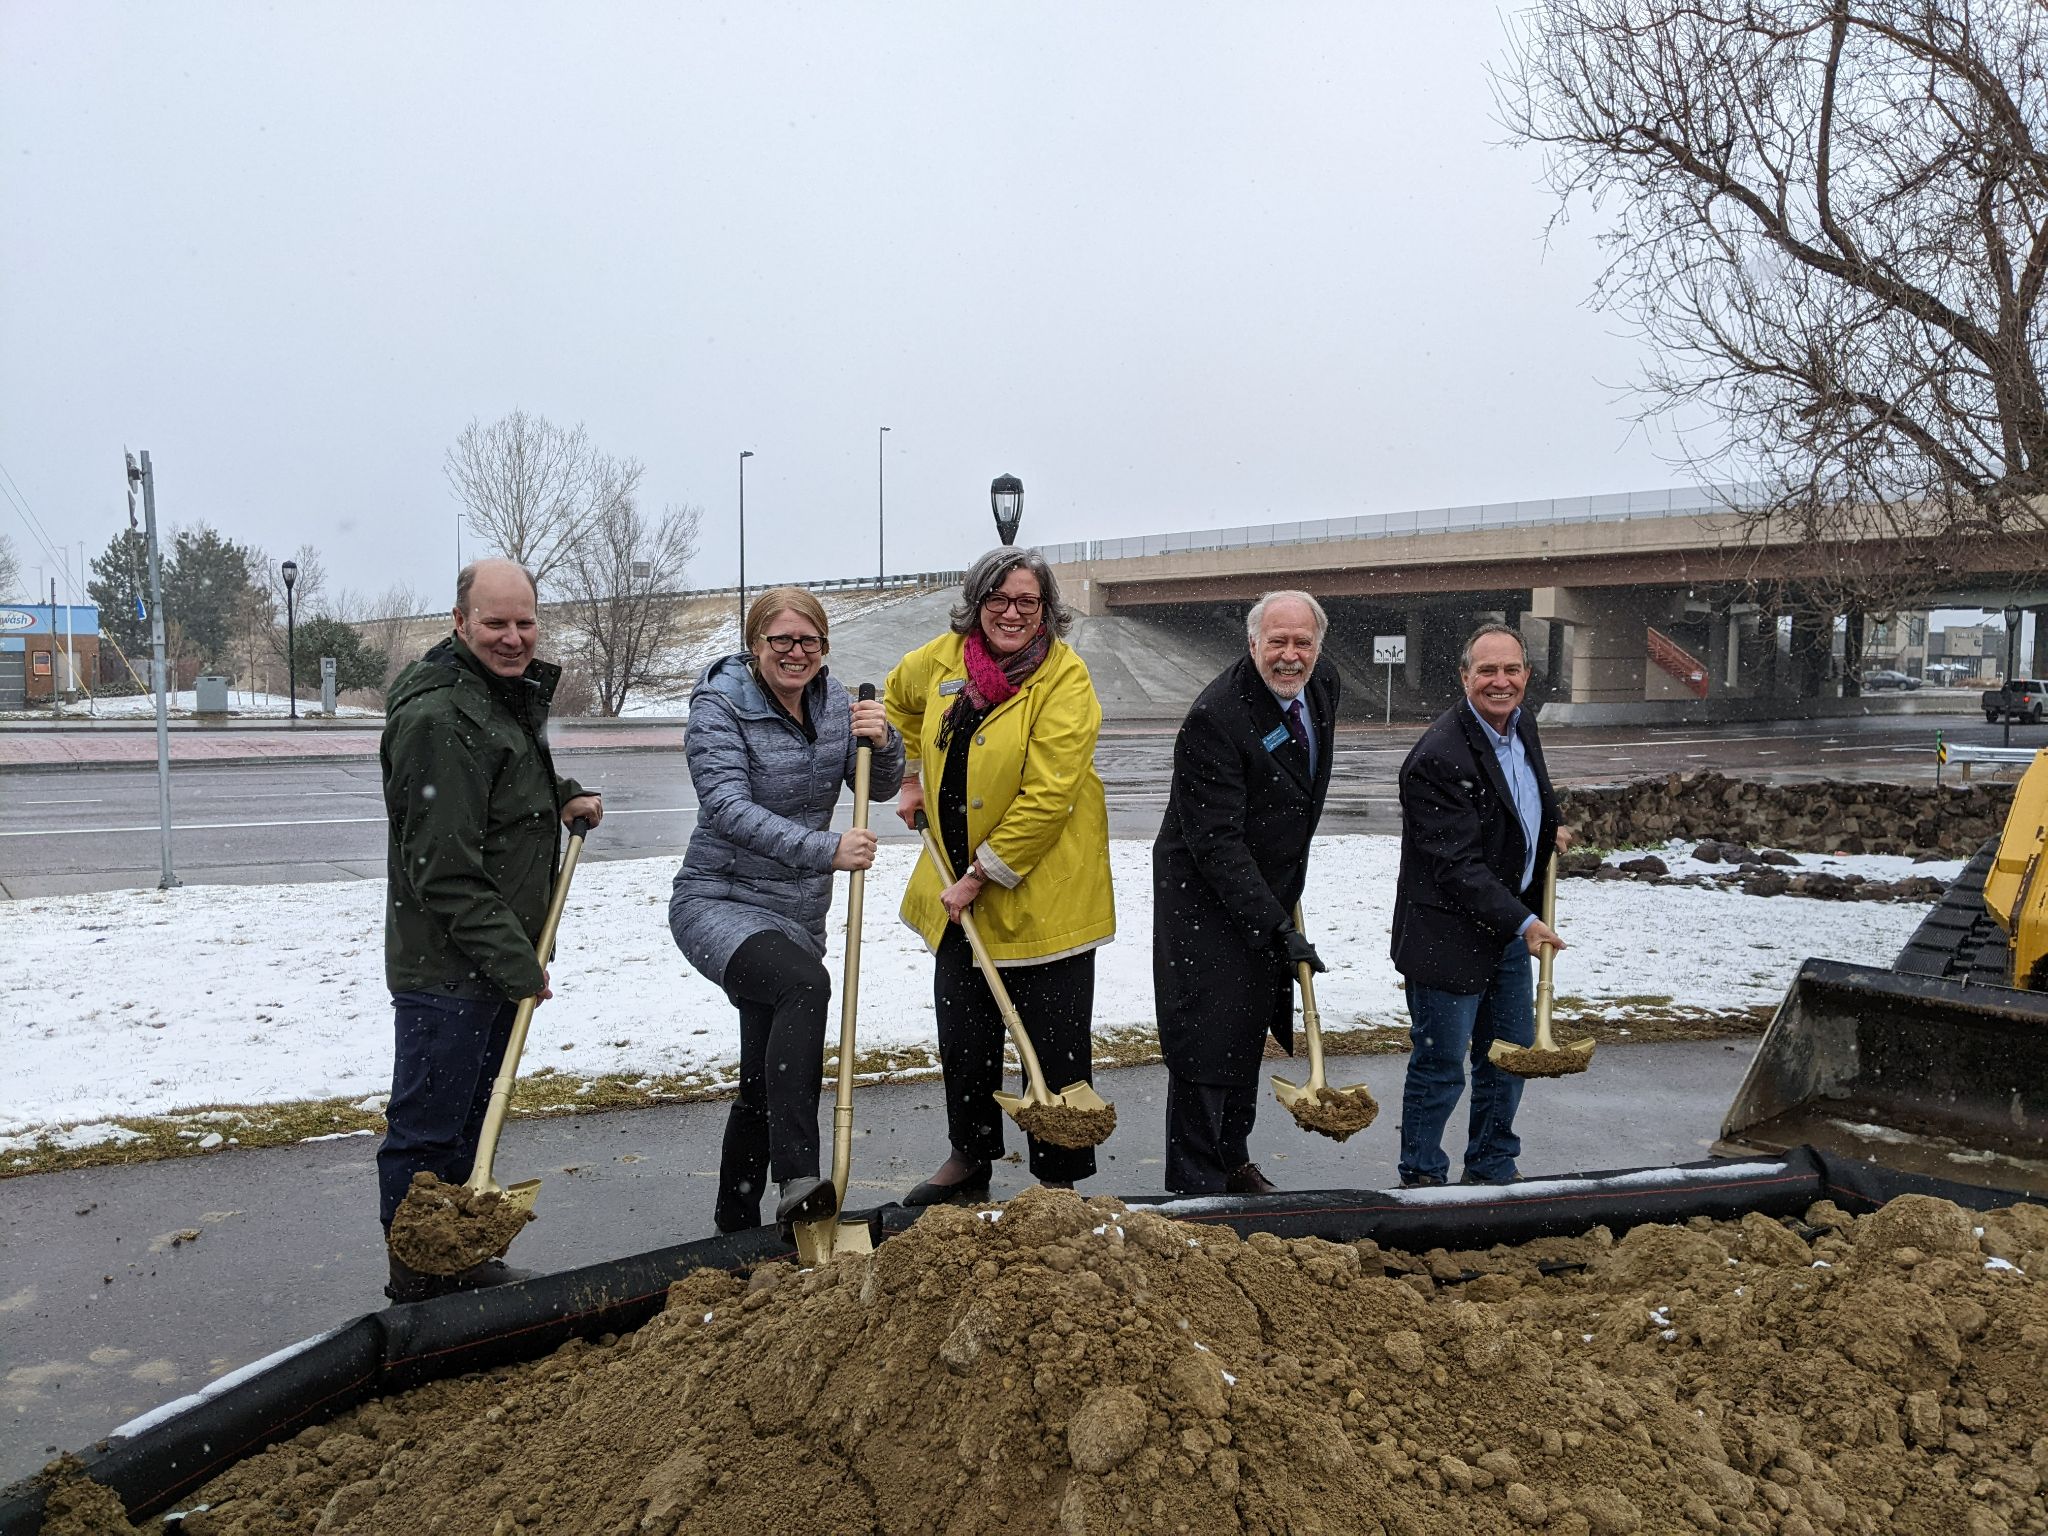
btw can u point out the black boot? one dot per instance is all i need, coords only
(811, 1199)
(409, 1285)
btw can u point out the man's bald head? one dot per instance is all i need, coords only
(498, 571)
(496, 614)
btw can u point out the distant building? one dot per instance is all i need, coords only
(1968, 652)
(46, 652)
(1898, 643)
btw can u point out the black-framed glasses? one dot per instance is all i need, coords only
(996, 602)
(782, 645)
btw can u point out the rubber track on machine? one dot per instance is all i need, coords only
(1958, 939)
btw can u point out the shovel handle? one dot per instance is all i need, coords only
(1543, 958)
(1036, 1091)
(508, 1069)
(849, 991)
(1311, 1021)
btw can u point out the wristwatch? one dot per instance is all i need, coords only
(980, 874)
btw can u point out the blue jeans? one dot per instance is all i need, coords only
(448, 1051)
(1445, 1028)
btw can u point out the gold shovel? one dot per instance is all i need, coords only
(440, 1230)
(819, 1240)
(1076, 1116)
(1315, 1105)
(1546, 1058)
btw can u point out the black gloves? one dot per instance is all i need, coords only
(1295, 950)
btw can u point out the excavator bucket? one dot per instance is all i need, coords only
(1920, 1073)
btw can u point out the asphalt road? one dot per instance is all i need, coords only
(65, 831)
(102, 1316)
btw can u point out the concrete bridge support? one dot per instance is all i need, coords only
(1609, 656)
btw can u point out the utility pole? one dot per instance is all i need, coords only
(881, 518)
(146, 477)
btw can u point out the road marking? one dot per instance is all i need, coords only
(58, 802)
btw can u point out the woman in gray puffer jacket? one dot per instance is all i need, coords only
(771, 740)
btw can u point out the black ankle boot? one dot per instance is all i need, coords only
(811, 1199)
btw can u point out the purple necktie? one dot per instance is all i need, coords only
(1299, 731)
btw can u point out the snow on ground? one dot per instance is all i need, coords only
(242, 704)
(141, 1002)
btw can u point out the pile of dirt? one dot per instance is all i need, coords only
(1338, 1113)
(1074, 1366)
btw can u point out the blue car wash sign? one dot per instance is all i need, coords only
(42, 619)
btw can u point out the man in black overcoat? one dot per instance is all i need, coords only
(1478, 827)
(1251, 766)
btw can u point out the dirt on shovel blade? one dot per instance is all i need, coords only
(1335, 1112)
(1530, 1062)
(1065, 1126)
(442, 1229)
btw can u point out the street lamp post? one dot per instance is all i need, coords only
(1006, 499)
(745, 454)
(2012, 640)
(290, 571)
(881, 518)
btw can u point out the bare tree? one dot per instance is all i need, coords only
(1830, 220)
(529, 488)
(10, 569)
(619, 587)
(383, 622)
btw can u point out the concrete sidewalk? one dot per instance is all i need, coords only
(103, 1314)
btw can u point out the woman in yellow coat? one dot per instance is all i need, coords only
(1000, 718)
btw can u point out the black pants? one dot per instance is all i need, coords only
(448, 1051)
(782, 992)
(1208, 1128)
(1056, 1001)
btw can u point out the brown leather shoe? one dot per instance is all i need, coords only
(1248, 1180)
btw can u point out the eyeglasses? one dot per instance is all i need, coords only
(782, 645)
(996, 602)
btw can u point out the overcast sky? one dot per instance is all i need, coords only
(1175, 265)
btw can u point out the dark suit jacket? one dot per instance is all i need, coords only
(1461, 897)
(1227, 869)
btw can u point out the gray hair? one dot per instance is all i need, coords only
(1257, 617)
(1479, 634)
(465, 579)
(992, 570)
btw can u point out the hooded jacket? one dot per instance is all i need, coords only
(760, 858)
(475, 808)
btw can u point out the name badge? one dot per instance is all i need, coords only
(954, 685)
(1276, 738)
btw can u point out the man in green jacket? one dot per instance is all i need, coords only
(475, 803)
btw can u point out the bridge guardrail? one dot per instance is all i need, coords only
(1622, 506)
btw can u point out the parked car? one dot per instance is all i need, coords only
(2020, 699)
(1885, 677)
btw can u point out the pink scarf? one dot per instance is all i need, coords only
(991, 679)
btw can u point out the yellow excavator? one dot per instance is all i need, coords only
(1938, 1065)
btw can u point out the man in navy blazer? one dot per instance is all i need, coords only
(1478, 827)
(1251, 769)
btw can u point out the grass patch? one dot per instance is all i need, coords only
(551, 1092)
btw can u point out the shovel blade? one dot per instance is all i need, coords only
(817, 1242)
(1289, 1094)
(523, 1194)
(1527, 1061)
(1082, 1096)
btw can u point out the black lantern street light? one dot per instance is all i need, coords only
(1006, 497)
(290, 572)
(745, 454)
(2012, 661)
